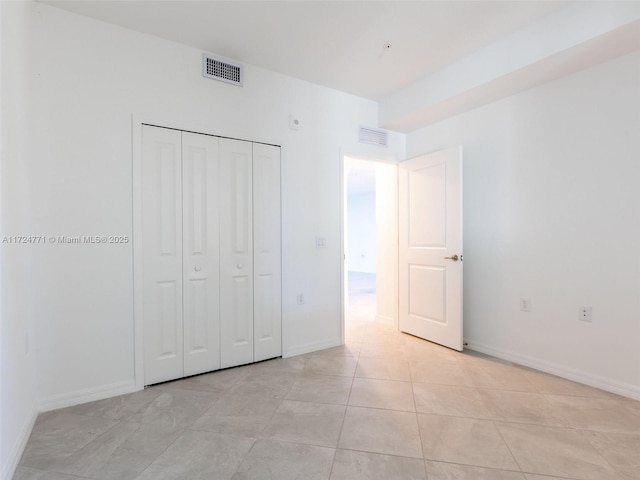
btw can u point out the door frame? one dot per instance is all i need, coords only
(343, 247)
(137, 122)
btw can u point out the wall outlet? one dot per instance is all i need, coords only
(525, 304)
(585, 314)
(321, 242)
(300, 299)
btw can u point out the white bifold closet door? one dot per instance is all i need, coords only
(211, 253)
(200, 258)
(267, 281)
(250, 301)
(180, 254)
(236, 252)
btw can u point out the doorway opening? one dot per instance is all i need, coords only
(370, 242)
(360, 228)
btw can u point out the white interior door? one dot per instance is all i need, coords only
(201, 283)
(162, 254)
(430, 247)
(236, 253)
(267, 284)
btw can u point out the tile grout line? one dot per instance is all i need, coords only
(415, 404)
(344, 416)
(598, 451)
(508, 447)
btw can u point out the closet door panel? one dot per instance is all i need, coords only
(236, 253)
(162, 254)
(267, 308)
(200, 171)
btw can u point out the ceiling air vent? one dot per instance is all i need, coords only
(222, 69)
(372, 136)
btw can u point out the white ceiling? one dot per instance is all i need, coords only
(338, 44)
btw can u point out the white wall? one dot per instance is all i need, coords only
(18, 406)
(87, 80)
(387, 243)
(552, 212)
(361, 222)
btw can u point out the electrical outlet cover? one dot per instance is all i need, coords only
(525, 304)
(585, 314)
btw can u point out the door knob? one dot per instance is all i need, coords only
(453, 257)
(239, 266)
(197, 268)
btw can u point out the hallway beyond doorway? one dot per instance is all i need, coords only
(361, 304)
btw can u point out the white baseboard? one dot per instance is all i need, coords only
(9, 468)
(87, 395)
(310, 347)
(597, 381)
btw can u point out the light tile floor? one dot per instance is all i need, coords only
(384, 406)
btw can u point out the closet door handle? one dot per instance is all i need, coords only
(239, 266)
(197, 268)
